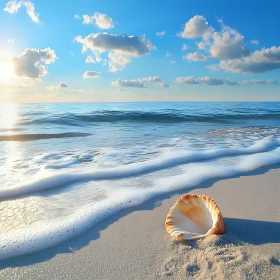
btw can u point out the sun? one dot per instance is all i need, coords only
(7, 73)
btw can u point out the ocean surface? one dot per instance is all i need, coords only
(66, 167)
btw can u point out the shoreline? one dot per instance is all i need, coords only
(134, 243)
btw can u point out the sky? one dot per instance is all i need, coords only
(108, 50)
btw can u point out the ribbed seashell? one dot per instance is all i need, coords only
(194, 216)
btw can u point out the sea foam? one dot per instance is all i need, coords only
(45, 234)
(134, 169)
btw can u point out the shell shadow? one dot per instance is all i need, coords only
(252, 231)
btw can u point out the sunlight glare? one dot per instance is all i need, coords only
(8, 115)
(6, 71)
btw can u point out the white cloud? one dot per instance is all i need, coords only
(229, 47)
(103, 21)
(91, 75)
(90, 59)
(190, 80)
(61, 85)
(258, 62)
(14, 5)
(168, 54)
(160, 34)
(196, 56)
(185, 47)
(228, 44)
(137, 83)
(172, 61)
(202, 45)
(208, 81)
(150, 79)
(117, 61)
(214, 67)
(31, 62)
(77, 17)
(128, 83)
(11, 40)
(260, 82)
(122, 48)
(163, 84)
(196, 27)
(124, 44)
(94, 58)
(231, 83)
(254, 42)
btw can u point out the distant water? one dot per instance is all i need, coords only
(65, 167)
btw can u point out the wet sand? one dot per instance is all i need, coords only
(135, 245)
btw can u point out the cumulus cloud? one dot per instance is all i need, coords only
(202, 45)
(258, 62)
(260, 82)
(228, 44)
(231, 83)
(31, 62)
(103, 21)
(163, 84)
(93, 59)
(229, 47)
(196, 27)
(137, 83)
(61, 85)
(214, 67)
(196, 56)
(208, 81)
(124, 44)
(128, 83)
(190, 80)
(91, 75)
(160, 34)
(150, 79)
(90, 59)
(122, 48)
(14, 5)
(117, 61)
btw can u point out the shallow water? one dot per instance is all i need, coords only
(64, 167)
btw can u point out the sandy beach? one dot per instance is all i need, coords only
(133, 244)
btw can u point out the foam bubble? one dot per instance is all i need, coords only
(45, 234)
(135, 169)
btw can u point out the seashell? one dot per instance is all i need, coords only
(194, 216)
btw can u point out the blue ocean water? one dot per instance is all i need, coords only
(66, 166)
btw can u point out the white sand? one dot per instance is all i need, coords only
(135, 245)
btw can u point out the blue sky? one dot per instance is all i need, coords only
(139, 51)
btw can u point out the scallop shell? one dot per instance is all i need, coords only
(194, 216)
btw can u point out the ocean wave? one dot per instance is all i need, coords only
(133, 116)
(136, 169)
(51, 233)
(33, 137)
